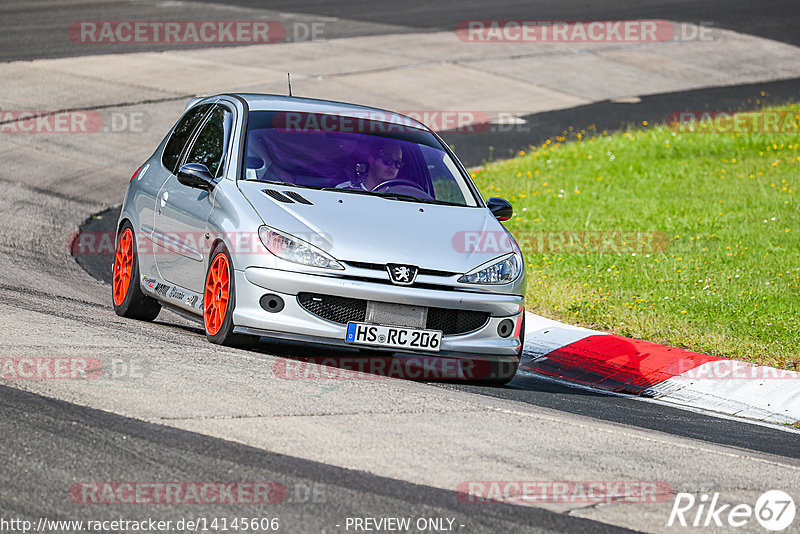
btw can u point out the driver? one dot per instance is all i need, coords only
(384, 163)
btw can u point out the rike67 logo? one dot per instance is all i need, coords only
(774, 510)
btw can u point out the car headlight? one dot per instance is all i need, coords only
(296, 250)
(500, 271)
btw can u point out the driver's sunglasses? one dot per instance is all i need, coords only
(389, 161)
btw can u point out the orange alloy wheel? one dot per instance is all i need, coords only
(123, 266)
(215, 298)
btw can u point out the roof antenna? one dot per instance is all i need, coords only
(289, 77)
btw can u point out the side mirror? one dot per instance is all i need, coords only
(500, 208)
(254, 162)
(196, 175)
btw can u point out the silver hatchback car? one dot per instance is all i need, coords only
(323, 222)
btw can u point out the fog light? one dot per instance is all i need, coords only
(505, 328)
(271, 303)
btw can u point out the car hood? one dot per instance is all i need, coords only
(370, 229)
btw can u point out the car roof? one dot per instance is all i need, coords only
(269, 102)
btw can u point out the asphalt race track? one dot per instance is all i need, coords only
(31, 30)
(99, 444)
(173, 408)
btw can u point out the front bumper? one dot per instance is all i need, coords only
(296, 323)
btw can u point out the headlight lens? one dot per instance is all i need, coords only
(502, 271)
(296, 250)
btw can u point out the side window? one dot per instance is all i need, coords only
(442, 173)
(210, 144)
(181, 135)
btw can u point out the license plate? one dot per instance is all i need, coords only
(393, 336)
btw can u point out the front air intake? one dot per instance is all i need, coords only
(294, 195)
(277, 195)
(342, 310)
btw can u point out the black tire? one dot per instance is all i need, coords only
(135, 305)
(224, 333)
(501, 374)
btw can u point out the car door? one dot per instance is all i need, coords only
(153, 175)
(182, 212)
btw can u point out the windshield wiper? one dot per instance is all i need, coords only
(401, 196)
(391, 196)
(411, 198)
(352, 191)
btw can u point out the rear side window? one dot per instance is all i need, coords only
(181, 135)
(209, 146)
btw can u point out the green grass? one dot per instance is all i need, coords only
(711, 257)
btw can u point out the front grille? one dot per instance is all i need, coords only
(340, 310)
(343, 310)
(455, 321)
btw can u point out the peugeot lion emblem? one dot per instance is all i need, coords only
(402, 275)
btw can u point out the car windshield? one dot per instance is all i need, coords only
(352, 154)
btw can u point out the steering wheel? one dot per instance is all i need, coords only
(398, 181)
